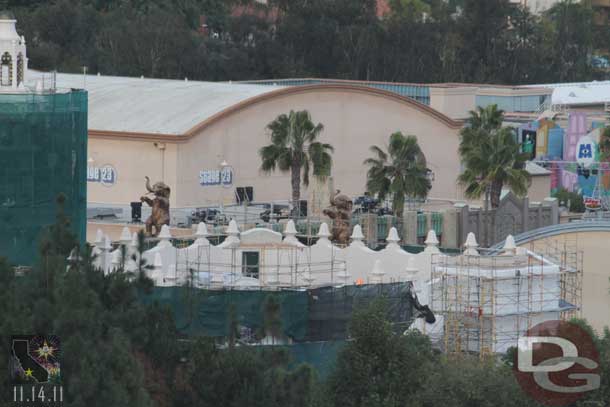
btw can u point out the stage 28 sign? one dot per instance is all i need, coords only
(105, 175)
(216, 177)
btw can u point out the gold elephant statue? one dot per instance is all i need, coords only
(160, 206)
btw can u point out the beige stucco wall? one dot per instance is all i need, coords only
(455, 102)
(353, 122)
(540, 188)
(595, 249)
(132, 160)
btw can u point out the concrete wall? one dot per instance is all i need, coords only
(454, 102)
(540, 188)
(354, 120)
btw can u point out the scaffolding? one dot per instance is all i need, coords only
(276, 266)
(485, 302)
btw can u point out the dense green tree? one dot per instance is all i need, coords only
(294, 148)
(379, 367)
(571, 200)
(571, 33)
(491, 156)
(417, 41)
(468, 381)
(400, 172)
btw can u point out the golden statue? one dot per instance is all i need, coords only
(159, 205)
(340, 211)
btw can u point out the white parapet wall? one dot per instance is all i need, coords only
(501, 295)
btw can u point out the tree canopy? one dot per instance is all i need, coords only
(399, 173)
(416, 41)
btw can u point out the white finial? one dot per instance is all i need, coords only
(393, 236)
(378, 272)
(116, 258)
(134, 240)
(510, 248)
(290, 229)
(290, 235)
(164, 237)
(106, 245)
(357, 235)
(125, 236)
(201, 234)
(411, 269)
(202, 230)
(323, 233)
(99, 237)
(165, 233)
(232, 230)
(431, 239)
(431, 242)
(471, 245)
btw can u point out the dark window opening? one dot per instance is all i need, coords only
(250, 264)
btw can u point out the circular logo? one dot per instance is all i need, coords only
(557, 363)
(585, 151)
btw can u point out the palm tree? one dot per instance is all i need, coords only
(492, 157)
(294, 148)
(400, 172)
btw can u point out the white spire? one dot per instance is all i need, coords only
(290, 234)
(510, 248)
(432, 242)
(125, 236)
(232, 230)
(357, 235)
(99, 237)
(471, 245)
(290, 229)
(202, 234)
(134, 241)
(8, 31)
(323, 233)
(164, 237)
(393, 236)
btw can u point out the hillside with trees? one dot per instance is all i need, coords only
(416, 41)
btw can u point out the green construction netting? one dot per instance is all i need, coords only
(320, 314)
(321, 355)
(43, 153)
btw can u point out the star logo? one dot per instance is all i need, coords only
(28, 373)
(45, 351)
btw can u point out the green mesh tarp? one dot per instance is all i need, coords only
(43, 153)
(321, 355)
(320, 314)
(332, 308)
(207, 312)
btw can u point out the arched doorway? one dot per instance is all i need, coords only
(6, 70)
